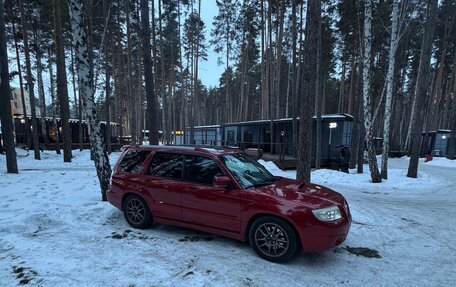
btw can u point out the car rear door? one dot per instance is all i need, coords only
(163, 174)
(202, 203)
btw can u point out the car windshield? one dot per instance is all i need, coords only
(248, 172)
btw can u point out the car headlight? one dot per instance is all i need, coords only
(328, 213)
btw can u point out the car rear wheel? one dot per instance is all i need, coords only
(273, 239)
(137, 212)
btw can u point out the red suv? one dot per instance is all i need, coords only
(225, 192)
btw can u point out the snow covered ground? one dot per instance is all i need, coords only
(55, 231)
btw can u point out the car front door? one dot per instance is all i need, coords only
(202, 203)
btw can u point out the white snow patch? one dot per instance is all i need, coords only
(55, 231)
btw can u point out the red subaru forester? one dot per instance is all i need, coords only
(225, 192)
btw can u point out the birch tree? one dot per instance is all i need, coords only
(368, 119)
(86, 91)
(389, 87)
(5, 100)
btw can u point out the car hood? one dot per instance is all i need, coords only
(310, 194)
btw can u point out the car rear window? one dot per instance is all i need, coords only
(166, 165)
(133, 160)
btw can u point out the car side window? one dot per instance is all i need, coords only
(201, 169)
(133, 160)
(166, 165)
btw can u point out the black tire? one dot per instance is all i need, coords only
(273, 239)
(136, 212)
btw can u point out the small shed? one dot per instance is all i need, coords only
(436, 142)
(204, 135)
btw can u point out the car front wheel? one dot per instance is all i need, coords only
(273, 239)
(137, 212)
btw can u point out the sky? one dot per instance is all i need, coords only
(209, 71)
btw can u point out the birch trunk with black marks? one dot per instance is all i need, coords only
(5, 100)
(86, 91)
(368, 119)
(389, 88)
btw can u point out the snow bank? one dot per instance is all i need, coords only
(397, 179)
(442, 161)
(55, 231)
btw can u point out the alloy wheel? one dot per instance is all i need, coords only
(271, 239)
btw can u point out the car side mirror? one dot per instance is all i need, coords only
(221, 181)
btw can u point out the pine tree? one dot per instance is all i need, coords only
(310, 77)
(148, 77)
(224, 41)
(421, 87)
(62, 84)
(30, 81)
(6, 117)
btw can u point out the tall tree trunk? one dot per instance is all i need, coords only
(39, 73)
(148, 77)
(101, 158)
(368, 119)
(278, 68)
(55, 105)
(341, 108)
(356, 126)
(28, 65)
(6, 117)
(452, 144)
(361, 129)
(269, 62)
(131, 95)
(296, 85)
(263, 64)
(107, 81)
(162, 72)
(389, 88)
(318, 99)
(184, 107)
(351, 92)
(311, 63)
(421, 87)
(62, 85)
(28, 132)
(437, 92)
(77, 103)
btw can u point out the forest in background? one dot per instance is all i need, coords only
(264, 47)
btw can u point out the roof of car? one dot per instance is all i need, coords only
(217, 150)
